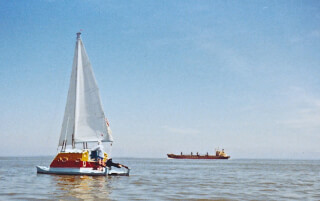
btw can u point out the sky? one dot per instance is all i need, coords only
(173, 75)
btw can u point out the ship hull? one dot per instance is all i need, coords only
(208, 157)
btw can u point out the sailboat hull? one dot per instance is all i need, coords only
(80, 171)
(78, 163)
(72, 171)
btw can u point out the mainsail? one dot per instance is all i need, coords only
(84, 119)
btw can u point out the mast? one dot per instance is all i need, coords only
(77, 74)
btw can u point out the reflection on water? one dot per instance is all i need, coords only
(82, 187)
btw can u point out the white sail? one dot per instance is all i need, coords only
(84, 119)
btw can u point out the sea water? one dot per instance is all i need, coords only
(167, 179)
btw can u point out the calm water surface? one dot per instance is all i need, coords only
(163, 179)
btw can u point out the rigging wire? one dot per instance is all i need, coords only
(110, 151)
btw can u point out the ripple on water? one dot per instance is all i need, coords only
(162, 179)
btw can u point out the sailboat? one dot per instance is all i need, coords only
(84, 123)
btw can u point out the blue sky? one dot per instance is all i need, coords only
(173, 75)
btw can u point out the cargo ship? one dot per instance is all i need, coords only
(219, 155)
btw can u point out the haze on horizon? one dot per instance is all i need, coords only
(173, 75)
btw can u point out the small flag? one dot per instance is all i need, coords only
(107, 122)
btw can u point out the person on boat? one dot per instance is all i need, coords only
(100, 154)
(109, 163)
